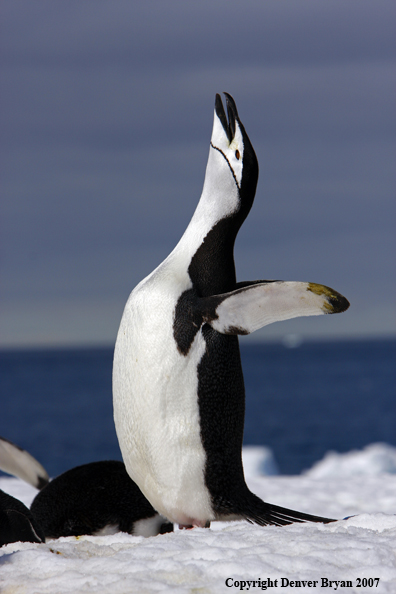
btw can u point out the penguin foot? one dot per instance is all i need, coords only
(195, 525)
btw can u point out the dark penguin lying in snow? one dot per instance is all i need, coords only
(178, 387)
(96, 498)
(17, 523)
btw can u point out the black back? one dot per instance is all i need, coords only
(87, 498)
(221, 391)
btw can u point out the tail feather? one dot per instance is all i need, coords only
(259, 512)
(281, 516)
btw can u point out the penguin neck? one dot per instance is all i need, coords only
(206, 256)
(206, 247)
(212, 268)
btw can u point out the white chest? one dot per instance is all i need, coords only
(155, 403)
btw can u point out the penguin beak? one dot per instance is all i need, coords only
(228, 126)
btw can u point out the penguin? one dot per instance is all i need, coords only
(178, 389)
(97, 498)
(17, 523)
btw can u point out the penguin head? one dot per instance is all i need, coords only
(227, 136)
(230, 139)
(227, 196)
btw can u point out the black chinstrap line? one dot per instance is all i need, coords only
(229, 164)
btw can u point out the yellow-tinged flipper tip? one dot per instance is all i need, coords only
(334, 302)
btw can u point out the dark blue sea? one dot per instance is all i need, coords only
(300, 402)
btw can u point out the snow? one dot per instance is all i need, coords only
(201, 560)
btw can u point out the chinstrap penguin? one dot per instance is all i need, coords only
(178, 389)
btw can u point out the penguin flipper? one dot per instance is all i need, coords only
(254, 305)
(18, 462)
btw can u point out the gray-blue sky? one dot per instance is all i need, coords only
(107, 111)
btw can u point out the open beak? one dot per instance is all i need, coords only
(228, 126)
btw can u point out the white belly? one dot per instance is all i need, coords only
(155, 404)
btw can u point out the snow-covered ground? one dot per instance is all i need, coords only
(237, 556)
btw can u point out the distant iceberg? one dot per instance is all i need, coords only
(292, 341)
(374, 459)
(259, 461)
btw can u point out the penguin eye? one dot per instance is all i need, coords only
(237, 154)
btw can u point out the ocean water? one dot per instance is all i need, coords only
(301, 402)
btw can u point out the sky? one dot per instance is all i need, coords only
(106, 118)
